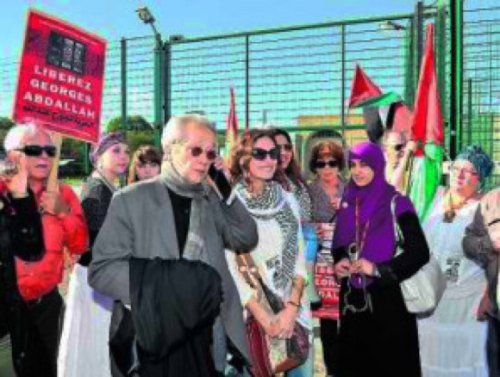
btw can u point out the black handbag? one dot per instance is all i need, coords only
(122, 342)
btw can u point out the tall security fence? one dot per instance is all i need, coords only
(299, 77)
(481, 76)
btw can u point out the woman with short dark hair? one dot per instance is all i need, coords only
(145, 164)
(327, 162)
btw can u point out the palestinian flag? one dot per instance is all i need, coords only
(427, 131)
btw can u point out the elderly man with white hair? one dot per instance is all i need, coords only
(35, 333)
(161, 250)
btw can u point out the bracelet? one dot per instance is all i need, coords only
(290, 302)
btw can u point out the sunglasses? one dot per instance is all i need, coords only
(261, 154)
(323, 164)
(398, 147)
(286, 147)
(457, 170)
(37, 150)
(197, 151)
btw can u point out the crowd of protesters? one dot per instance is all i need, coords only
(203, 266)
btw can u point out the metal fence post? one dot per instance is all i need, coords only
(469, 111)
(456, 8)
(167, 71)
(123, 82)
(342, 94)
(441, 52)
(247, 81)
(419, 24)
(158, 94)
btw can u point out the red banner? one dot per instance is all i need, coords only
(61, 78)
(324, 278)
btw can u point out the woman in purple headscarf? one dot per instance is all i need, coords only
(378, 336)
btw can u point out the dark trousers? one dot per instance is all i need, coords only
(493, 347)
(330, 340)
(35, 337)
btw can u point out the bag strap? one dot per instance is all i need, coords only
(247, 268)
(398, 235)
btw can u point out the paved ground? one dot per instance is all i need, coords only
(5, 360)
(6, 368)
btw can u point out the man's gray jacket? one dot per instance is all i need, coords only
(140, 223)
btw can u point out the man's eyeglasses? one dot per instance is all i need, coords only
(457, 170)
(286, 147)
(197, 151)
(324, 164)
(261, 154)
(37, 150)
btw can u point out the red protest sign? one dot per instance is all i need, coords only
(61, 78)
(324, 278)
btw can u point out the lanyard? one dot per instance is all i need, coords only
(360, 243)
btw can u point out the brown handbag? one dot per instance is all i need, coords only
(270, 355)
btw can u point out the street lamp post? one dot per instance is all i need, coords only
(146, 17)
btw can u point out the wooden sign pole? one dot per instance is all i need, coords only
(52, 182)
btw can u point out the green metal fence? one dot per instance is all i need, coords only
(287, 76)
(299, 77)
(481, 76)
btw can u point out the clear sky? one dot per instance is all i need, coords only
(114, 19)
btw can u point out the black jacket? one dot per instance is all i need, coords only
(21, 235)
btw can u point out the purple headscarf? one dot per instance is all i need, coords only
(105, 142)
(375, 207)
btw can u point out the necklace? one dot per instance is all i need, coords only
(450, 211)
(107, 183)
(354, 251)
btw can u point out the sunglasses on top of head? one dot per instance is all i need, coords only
(197, 151)
(323, 164)
(37, 150)
(261, 154)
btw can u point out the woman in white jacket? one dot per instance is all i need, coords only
(279, 253)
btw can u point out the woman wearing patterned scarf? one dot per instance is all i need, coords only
(452, 341)
(294, 183)
(84, 350)
(279, 254)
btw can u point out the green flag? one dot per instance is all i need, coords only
(425, 178)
